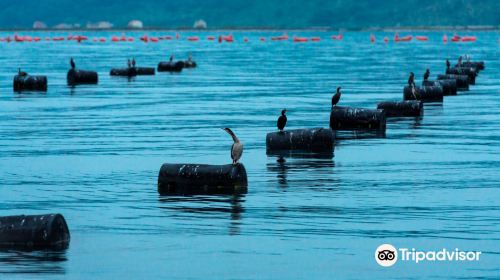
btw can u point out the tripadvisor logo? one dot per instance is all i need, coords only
(387, 255)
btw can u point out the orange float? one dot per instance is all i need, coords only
(193, 38)
(299, 39)
(422, 38)
(468, 39)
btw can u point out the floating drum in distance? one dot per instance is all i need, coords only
(30, 83)
(348, 118)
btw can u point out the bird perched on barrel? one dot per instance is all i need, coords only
(72, 63)
(427, 74)
(21, 73)
(236, 148)
(282, 120)
(447, 64)
(133, 62)
(336, 97)
(411, 83)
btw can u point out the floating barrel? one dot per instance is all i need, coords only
(77, 77)
(189, 64)
(30, 83)
(313, 139)
(347, 118)
(470, 72)
(170, 67)
(34, 231)
(202, 179)
(401, 108)
(479, 65)
(129, 72)
(462, 81)
(425, 93)
(144, 71)
(449, 86)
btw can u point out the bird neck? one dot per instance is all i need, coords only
(235, 139)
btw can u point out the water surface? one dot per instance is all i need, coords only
(93, 154)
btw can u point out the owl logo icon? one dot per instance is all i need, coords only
(386, 255)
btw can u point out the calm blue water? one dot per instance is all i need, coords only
(93, 153)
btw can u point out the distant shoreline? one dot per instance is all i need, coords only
(256, 29)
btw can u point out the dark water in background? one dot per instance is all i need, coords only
(93, 154)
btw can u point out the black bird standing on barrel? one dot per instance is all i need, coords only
(133, 62)
(427, 74)
(72, 63)
(21, 73)
(282, 120)
(448, 64)
(336, 97)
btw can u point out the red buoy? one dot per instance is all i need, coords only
(153, 39)
(299, 39)
(210, 38)
(245, 40)
(337, 37)
(468, 39)
(421, 38)
(193, 38)
(262, 39)
(372, 38)
(386, 39)
(315, 39)
(445, 38)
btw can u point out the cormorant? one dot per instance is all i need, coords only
(448, 64)
(426, 74)
(236, 148)
(21, 73)
(411, 83)
(72, 63)
(133, 62)
(171, 60)
(336, 97)
(282, 120)
(411, 80)
(129, 64)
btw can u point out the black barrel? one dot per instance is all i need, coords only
(79, 77)
(189, 64)
(128, 72)
(313, 139)
(30, 83)
(348, 118)
(449, 86)
(462, 81)
(170, 67)
(479, 65)
(202, 179)
(426, 94)
(144, 71)
(468, 71)
(34, 231)
(402, 108)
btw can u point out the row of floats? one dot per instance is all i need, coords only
(223, 38)
(51, 230)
